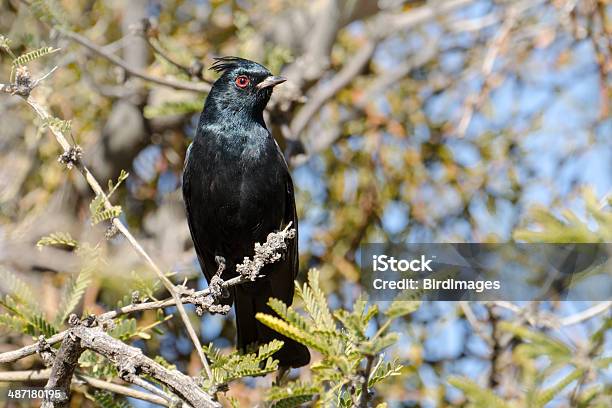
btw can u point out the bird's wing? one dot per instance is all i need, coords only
(207, 268)
(291, 216)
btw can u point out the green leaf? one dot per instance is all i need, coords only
(12, 322)
(38, 325)
(173, 108)
(58, 239)
(267, 350)
(551, 392)
(293, 394)
(33, 55)
(124, 329)
(112, 188)
(292, 332)
(97, 365)
(383, 370)
(315, 302)
(73, 293)
(568, 227)
(481, 397)
(399, 308)
(232, 366)
(552, 347)
(288, 313)
(18, 290)
(105, 399)
(106, 214)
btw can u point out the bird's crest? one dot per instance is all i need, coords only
(223, 64)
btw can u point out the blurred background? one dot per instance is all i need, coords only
(402, 121)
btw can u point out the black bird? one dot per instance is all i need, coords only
(237, 189)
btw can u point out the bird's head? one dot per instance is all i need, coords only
(243, 86)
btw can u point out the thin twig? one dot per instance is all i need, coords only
(23, 352)
(553, 322)
(586, 314)
(194, 71)
(365, 392)
(40, 375)
(200, 87)
(329, 89)
(151, 388)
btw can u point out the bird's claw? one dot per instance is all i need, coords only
(220, 263)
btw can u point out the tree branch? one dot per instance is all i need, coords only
(365, 392)
(195, 70)
(383, 25)
(200, 87)
(131, 363)
(63, 367)
(329, 89)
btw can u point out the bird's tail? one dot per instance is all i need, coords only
(250, 299)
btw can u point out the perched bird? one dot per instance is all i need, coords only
(237, 189)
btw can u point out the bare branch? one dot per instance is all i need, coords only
(131, 363)
(365, 392)
(152, 389)
(586, 314)
(200, 87)
(66, 360)
(383, 25)
(23, 352)
(551, 321)
(328, 90)
(195, 70)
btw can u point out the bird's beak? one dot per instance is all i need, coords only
(270, 82)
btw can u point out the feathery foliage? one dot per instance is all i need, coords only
(479, 396)
(74, 290)
(172, 108)
(97, 366)
(63, 126)
(342, 340)
(229, 367)
(559, 356)
(22, 310)
(49, 11)
(105, 399)
(29, 57)
(62, 240)
(568, 227)
(97, 209)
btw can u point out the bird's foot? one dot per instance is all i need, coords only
(220, 264)
(211, 301)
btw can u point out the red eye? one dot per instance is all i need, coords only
(242, 81)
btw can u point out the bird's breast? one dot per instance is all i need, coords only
(237, 192)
